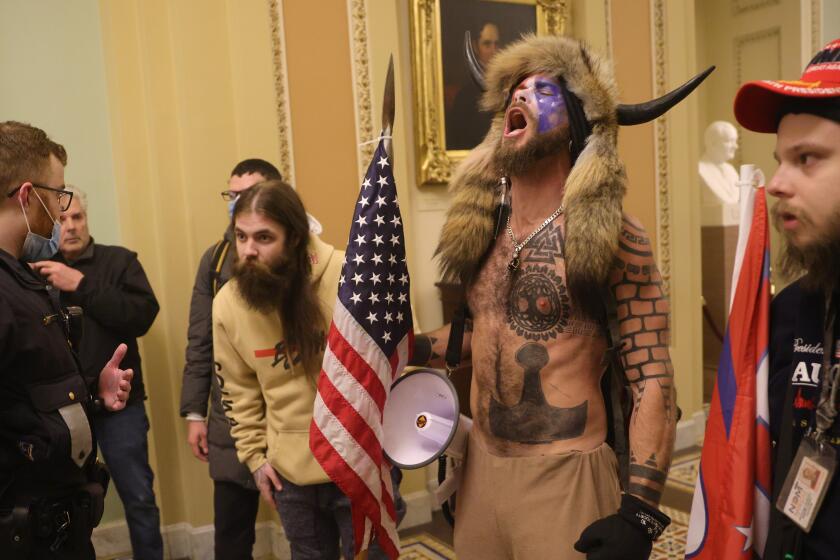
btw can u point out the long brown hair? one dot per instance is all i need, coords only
(300, 310)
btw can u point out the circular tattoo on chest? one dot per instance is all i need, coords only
(538, 307)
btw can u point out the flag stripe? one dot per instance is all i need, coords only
(358, 378)
(349, 418)
(350, 482)
(358, 344)
(361, 470)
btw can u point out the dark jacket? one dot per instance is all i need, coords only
(119, 306)
(200, 382)
(38, 375)
(796, 353)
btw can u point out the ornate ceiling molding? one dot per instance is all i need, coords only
(286, 163)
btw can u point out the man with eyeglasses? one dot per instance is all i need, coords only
(110, 285)
(51, 487)
(235, 496)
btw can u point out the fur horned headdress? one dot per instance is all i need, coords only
(594, 188)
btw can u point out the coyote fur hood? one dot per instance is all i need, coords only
(594, 189)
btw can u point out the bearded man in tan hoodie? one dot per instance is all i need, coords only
(269, 331)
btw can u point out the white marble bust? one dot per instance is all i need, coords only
(720, 180)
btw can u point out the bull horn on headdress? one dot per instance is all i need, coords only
(645, 112)
(473, 64)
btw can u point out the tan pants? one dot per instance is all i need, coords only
(532, 508)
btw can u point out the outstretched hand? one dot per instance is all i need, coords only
(115, 383)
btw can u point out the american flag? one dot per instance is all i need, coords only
(368, 345)
(731, 507)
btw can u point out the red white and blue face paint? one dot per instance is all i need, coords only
(537, 98)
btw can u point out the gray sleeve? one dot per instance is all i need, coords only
(198, 369)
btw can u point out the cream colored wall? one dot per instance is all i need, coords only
(191, 92)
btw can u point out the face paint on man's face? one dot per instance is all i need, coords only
(543, 96)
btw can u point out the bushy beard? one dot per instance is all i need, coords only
(513, 160)
(819, 261)
(264, 289)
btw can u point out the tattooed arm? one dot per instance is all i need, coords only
(643, 323)
(430, 347)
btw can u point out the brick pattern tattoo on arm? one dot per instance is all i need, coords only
(643, 319)
(642, 311)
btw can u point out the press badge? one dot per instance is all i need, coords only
(807, 482)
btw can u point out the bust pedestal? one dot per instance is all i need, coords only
(719, 243)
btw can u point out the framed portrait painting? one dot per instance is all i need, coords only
(449, 122)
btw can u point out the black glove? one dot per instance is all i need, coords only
(626, 535)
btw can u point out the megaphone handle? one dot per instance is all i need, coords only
(456, 338)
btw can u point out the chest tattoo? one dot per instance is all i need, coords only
(532, 420)
(538, 306)
(546, 247)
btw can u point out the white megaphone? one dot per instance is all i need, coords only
(421, 420)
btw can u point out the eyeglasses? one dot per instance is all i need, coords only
(64, 197)
(230, 195)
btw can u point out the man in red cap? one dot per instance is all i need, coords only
(805, 336)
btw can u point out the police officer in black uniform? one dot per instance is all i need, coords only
(51, 487)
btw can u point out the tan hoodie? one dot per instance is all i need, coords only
(268, 398)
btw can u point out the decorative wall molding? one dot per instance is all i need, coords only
(816, 26)
(742, 41)
(741, 6)
(286, 163)
(663, 194)
(362, 93)
(553, 15)
(608, 24)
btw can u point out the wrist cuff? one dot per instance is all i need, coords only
(650, 521)
(194, 417)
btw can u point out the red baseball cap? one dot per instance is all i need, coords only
(758, 104)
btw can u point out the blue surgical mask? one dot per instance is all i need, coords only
(37, 247)
(231, 206)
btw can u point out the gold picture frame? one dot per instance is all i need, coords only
(435, 162)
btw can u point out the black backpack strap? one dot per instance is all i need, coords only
(219, 254)
(456, 338)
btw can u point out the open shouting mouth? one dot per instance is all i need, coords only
(516, 122)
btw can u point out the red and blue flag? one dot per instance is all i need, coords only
(731, 507)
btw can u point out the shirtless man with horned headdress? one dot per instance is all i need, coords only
(540, 480)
